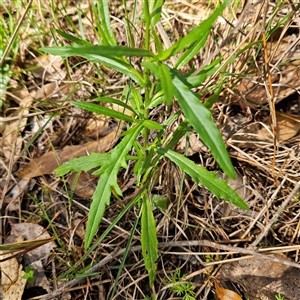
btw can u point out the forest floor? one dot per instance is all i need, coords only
(206, 246)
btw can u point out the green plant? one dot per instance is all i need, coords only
(29, 275)
(160, 83)
(279, 297)
(183, 289)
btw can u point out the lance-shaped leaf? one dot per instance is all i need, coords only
(102, 110)
(108, 181)
(83, 163)
(166, 83)
(149, 239)
(200, 118)
(106, 30)
(199, 174)
(95, 55)
(197, 34)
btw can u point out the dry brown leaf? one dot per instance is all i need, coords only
(11, 142)
(259, 134)
(225, 294)
(31, 231)
(37, 258)
(12, 283)
(288, 126)
(79, 225)
(284, 73)
(195, 145)
(254, 135)
(96, 126)
(53, 90)
(46, 67)
(85, 185)
(47, 163)
(263, 278)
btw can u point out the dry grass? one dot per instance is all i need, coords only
(37, 117)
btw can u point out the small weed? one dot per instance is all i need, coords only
(29, 275)
(279, 297)
(159, 83)
(182, 289)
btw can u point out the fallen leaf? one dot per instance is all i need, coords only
(259, 134)
(85, 185)
(47, 163)
(263, 278)
(284, 73)
(46, 67)
(36, 258)
(288, 126)
(195, 145)
(11, 142)
(12, 283)
(254, 135)
(31, 231)
(225, 294)
(53, 90)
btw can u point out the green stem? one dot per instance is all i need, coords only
(146, 75)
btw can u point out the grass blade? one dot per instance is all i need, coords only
(106, 31)
(156, 11)
(73, 39)
(115, 63)
(192, 51)
(115, 101)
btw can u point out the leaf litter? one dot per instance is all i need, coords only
(250, 144)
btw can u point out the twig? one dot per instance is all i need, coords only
(77, 281)
(14, 33)
(276, 216)
(167, 245)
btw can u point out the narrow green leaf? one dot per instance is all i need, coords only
(197, 33)
(115, 101)
(160, 201)
(199, 174)
(214, 98)
(83, 163)
(107, 51)
(197, 80)
(156, 12)
(107, 181)
(152, 125)
(149, 240)
(112, 62)
(156, 100)
(102, 110)
(200, 118)
(192, 51)
(157, 41)
(73, 39)
(105, 22)
(166, 83)
(133, 96)
(152, 66)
